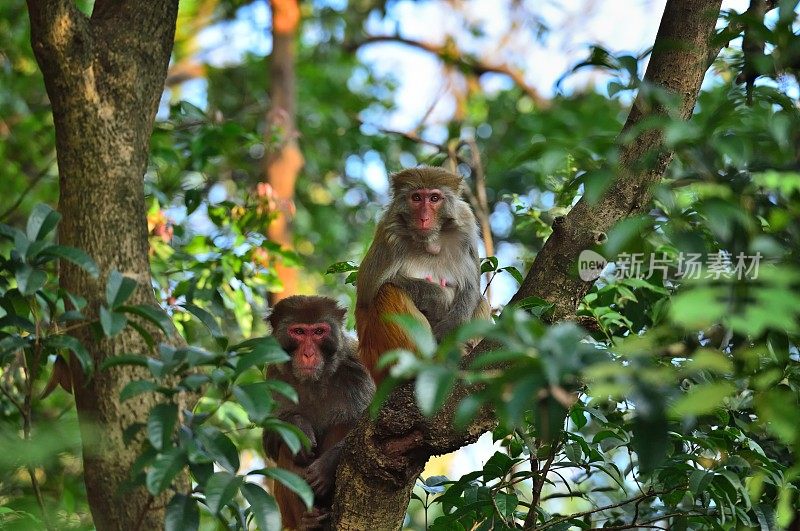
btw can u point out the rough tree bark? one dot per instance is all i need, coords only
(284, 160)
(104, 75)
(384, 457)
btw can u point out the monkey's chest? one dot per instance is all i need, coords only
(439, 269)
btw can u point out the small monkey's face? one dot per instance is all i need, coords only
(424, 205)
(312, 341)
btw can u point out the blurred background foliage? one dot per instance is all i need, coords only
(687, 392)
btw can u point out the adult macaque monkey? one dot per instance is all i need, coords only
(333, 388)
(423, 262)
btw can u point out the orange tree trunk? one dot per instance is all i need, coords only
(284, 160)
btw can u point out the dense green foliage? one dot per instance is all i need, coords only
(679, 409)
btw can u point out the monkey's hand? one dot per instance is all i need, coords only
(430, 297)
(321, 473)
(305, 456)
(314, 519)
(460, 311)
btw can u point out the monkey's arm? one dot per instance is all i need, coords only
(464, 305)
(321, 473)
(430, 298)
(273, 442)
(376, 334)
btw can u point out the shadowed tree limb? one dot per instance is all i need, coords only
(384, 457)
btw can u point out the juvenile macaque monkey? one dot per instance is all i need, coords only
(423, 262)
(334, 389)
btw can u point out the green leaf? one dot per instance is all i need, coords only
(153, 314)
(506, 503)
(650, 441)
(161, 424)
(148, 338)
(206, 318)
(11, 233)
(72, 344)
(136, 387)
(489, 264)
(573, 452)
(164, 469)
(256, 399)
(701, 399)
(263, 507)
(30, 280)
(514, 272)
(435, 484)
(433, 386)
(220, 489)
(292, 482)
(699, 307)
(279, 386)
(124, 359)
(535, 305)
(182, 514)
(220, 448)
(699, 481)
(71, 254)
(290, 434)
(497, 466)
(341, 267)
(41, 222)
(267, 351)
(419, 333)
(112, 323)
(118, 289)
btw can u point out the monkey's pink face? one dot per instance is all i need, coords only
(308, 356)
(424, 204)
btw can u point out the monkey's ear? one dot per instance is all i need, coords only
(273, 317)
(340, 313)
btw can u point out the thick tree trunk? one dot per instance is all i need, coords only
(284, 160)
(104, 76)
(384, 458)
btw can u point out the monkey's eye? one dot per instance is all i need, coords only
(435, 198)
(318, 331)
(299, 331)
(416, 197)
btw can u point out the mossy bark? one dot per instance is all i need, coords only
(104, 75)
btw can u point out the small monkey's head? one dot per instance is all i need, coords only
(425, 200)
(309, 328)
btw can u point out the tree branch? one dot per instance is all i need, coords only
(449, 54)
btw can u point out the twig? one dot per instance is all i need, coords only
(482, 201)
(652, 494)
(11, 398)
(26, 412)
(31, 185)
(413, 137)
(447, 54)
(538, 484)
(648, 524)
(530, 518)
